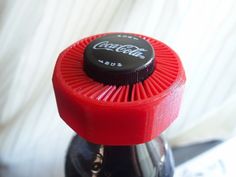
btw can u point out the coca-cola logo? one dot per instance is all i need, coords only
(127, 49)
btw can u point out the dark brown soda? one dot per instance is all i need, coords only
(152, 159)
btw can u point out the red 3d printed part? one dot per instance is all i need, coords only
(118, 88)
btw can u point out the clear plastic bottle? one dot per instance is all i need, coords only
(152, 159)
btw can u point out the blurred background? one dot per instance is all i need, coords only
(33, 138)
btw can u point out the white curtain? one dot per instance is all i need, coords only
(33, 139)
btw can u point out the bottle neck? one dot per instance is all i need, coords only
(116, 159)
(152, 159)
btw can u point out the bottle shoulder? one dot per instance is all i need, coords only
(152, 159)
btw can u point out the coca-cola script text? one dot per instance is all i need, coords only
(128, 49)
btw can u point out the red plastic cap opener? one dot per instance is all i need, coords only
(118, 88)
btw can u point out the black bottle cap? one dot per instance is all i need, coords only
(119, 59)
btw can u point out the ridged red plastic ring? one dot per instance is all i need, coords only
(118, 115)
